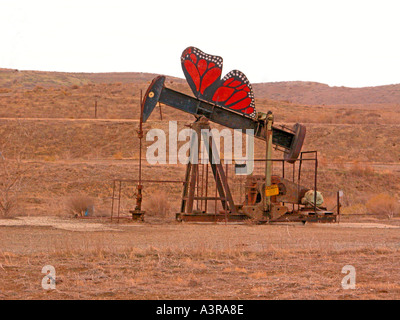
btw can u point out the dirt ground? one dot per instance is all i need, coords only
(100, 260)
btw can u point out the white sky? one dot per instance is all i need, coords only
(342, 43)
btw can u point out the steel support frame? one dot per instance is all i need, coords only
(192, 168)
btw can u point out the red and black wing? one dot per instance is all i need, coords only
(235, 92)
(202, 72)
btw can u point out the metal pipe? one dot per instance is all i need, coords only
(140, 134)
(206, 203)
(338, 206)
(268, 164)
(119, 199)
(315, 182)
(139, 196)
(112, 201)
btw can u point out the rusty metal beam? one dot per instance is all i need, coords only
(211, 217)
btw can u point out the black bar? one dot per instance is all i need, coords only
(223, 116)
(291, 141)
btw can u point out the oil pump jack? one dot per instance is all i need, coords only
(230, 102)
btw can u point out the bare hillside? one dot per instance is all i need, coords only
(315, 93)
(297, 92)
(17, 79)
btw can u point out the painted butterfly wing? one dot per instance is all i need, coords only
(202, 72)
(235, 92)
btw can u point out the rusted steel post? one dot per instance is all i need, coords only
(294, 169)
(140, 135)
(112, 201)
(216, 194)
(222, 181)
(298, 180)
(119, 199)
(315, 182)
(193, 188)
(202, 187)
(185, 187)
(268, 164)
(226, 202)
(139, 196)
(338, 206)
(197, 185)
(227, 193)
(293, 173)
(227, 183)
(206, 202)
(193, 159)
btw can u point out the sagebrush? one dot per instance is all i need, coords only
(383, 204)
(78, 205)
(157, 205)
(11, 176)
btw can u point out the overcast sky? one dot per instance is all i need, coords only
(341, 43)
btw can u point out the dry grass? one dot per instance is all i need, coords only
(11, 179)
(47, 183)
(157, 205)
(234, 274)
(357, 208)
(361, 169)
(78, 205)
(383, 204)
(118, 155)
(146, 261)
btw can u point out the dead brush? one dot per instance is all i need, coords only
(157, 205)
(383, 204)
(78, 205)
(357, 208)
(359, 169)
(11, 178)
